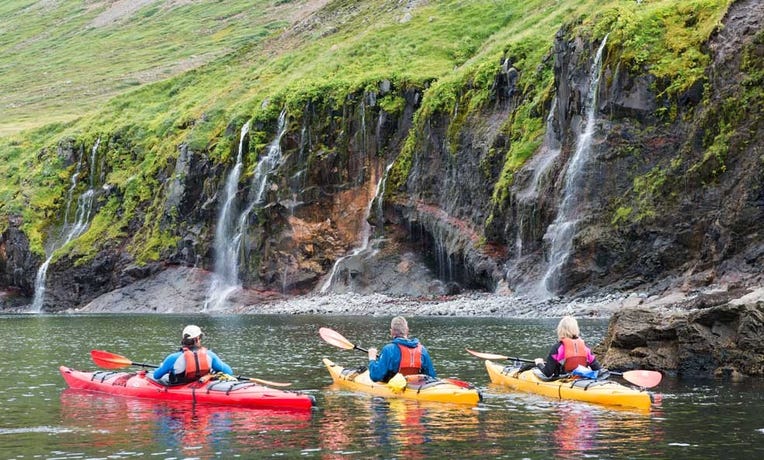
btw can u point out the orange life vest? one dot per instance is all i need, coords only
(575, 353)
(411, 360)
(197, 363)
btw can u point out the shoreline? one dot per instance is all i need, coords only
(184, 291)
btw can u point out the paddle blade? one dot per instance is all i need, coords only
(489, 356)
(109, 360)
(333, 337)
(642, 378)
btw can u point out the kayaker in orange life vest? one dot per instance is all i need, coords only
(192, 361)
(403, 355)
(569, 352)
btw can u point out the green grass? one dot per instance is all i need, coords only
(163, 75)
(59, 60)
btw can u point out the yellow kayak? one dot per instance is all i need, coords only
(418, 387)
(606, 392)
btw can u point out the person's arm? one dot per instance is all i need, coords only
(427, 365)
(217, 364)
(166, 366)
(552, 364)
(380, 369)
(592, 360)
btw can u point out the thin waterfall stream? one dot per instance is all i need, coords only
(225, 277)
(229, 237)
(69, 231)
(560, 232)
(365, 236)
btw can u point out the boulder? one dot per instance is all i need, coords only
(719, 341)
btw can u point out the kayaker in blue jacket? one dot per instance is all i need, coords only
(192, 361)
(403, 355)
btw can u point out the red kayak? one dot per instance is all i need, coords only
(230, 393)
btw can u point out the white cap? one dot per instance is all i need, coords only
(191, 332)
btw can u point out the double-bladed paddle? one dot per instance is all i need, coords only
(110, 360)
(641, 378)
(333, 337)
(338, 340)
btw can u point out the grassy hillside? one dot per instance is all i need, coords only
(90, 74)
(60, 59)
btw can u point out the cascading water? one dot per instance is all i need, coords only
(228, 238)
(225, 278)
(550, 150)
(560, 232)
(69, 231)
(528, 195)
(266, 166)
(365, 236)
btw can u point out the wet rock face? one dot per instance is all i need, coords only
(18, 265)
(705, 224)
(720, 341)
(699, 222)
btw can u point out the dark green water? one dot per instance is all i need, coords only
(40, 419)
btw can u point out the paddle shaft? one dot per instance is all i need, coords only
(115, 361)
(642, 378)
(523, 360)
(238, 377)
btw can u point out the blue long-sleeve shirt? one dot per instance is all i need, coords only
(389, 360)
(168, 365)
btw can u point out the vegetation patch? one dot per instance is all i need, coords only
(142, 86)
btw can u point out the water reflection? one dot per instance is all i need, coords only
(395, 427)
(698, 419)
(576, 432)
(113, 424)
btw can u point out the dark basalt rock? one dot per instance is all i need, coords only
(722, 341)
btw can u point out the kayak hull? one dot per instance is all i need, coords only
(439, 390)
(229, 393)
(606, 392)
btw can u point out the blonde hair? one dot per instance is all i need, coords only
(568, 328)
(399, 327)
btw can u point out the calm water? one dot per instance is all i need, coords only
(41, 419)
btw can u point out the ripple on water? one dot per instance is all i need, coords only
(35, 429)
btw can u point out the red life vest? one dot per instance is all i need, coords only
(411, 359)
(575, 353)
(198, 363)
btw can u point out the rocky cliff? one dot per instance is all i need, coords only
(668, 189)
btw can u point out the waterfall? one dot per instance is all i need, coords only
(69, 231)
(267, 165)
(365, 231)
(560, 233)
(550, 150)
(541, 163)
(225, 278)
(228, 238)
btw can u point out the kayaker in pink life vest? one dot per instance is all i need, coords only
(569, 352)
(192, 361)
(403, 355)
